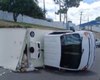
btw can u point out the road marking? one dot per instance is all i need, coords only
(2, 73)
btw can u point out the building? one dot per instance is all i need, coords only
(92, 25)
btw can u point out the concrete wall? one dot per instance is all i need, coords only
(93, 28)
(4, 15)
(96, 28)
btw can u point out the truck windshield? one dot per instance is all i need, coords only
(72, 42)
(71, 51)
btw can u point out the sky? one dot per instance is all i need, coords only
(89, 1)
(90, 10)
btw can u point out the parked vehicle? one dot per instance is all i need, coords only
(97, 43)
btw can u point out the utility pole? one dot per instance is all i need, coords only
(60, 12)
(88, 21)
(88, 18)
(44, 7)
(67, 24)
(81, 17)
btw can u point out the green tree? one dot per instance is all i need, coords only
(26, 7)
(64, 5)
(98, 18)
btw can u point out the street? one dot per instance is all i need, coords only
(93, 74)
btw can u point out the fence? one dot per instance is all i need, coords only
(4, 15)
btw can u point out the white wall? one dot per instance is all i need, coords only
(96, 28)
(4, 15)
(93, 28)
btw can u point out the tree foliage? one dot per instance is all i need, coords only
(64, 5)
(98, 18)
(26, 7)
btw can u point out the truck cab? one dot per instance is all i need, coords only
(70, 51)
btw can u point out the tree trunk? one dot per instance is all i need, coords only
(15, 15)
(67, 26)
(60, 12)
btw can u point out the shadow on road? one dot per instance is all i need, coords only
(71, 73)
(57, 72)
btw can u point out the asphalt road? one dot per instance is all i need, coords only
(93, 74)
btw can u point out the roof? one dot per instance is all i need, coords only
(94, 22)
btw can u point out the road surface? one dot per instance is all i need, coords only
(93, 74)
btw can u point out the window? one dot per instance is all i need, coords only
(71, 43)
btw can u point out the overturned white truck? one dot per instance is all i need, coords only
(26, 49)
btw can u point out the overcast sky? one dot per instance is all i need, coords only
(90, 9)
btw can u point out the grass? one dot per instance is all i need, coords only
(11, 24)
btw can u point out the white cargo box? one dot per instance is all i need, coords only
(12, 43)
(22, 49)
